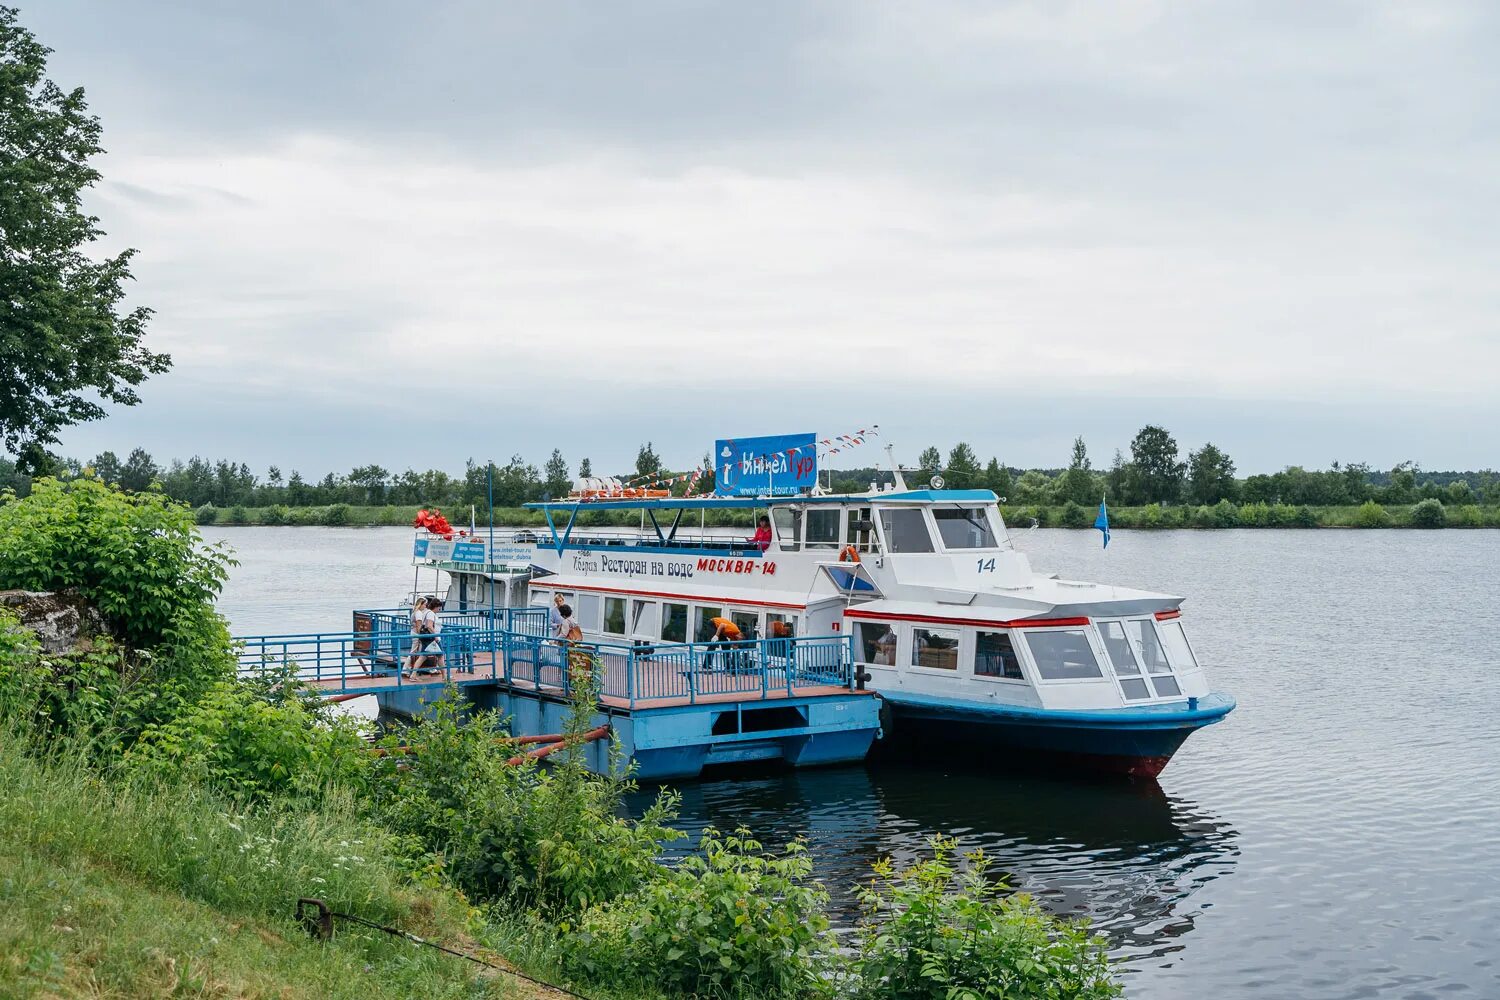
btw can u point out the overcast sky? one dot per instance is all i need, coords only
(410, 233)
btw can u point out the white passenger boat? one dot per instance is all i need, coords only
(949, 623)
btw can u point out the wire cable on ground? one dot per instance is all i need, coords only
(315, 915)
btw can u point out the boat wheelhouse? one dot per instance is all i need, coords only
(950, 625)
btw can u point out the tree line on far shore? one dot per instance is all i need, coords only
(1154, 472)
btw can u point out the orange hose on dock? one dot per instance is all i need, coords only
(550, 748)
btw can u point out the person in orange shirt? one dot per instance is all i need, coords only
(725, 632)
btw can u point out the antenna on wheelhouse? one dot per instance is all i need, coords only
(890, 453)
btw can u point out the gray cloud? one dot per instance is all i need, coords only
(1273, 223)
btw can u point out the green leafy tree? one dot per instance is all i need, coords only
(647, 461)
(1078, 485)
(585, 469)
(1120, 481)
(963, 470)
(997, 478)
(1210, 476)
(931, 460)
(1158, 471)
(556, 480)
(106, 466)
(139, 471)
(67, 344)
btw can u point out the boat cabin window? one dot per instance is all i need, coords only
(861, 530)
(1062, 654)
(964, 527)
(934, 647)
(643, 618)
(614, 616)
(787, 623)
(786, 522)
(587, 611)
(877, 642)
(905, 530)
(705, 629)
(674, 622)
(995, 656)
(747, 622)
(821, 527)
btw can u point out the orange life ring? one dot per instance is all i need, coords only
(848, 554)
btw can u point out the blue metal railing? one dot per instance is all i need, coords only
(383, 653)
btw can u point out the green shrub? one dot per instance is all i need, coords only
(207, 514)
(304, 516)
(1151, 516)
(250, 748)
(239, 515)
(336, 515)
(1371, 515)
(1305, 517)
(1076, 516)
(1254, 515)
(137, 557)
(730, 921)
(933, 933)
(1428, 514)
(1467, 516)
(549, 838)
(278, 513)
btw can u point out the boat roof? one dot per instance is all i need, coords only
(723, 503)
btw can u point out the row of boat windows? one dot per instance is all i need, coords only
(905, 529)
(669, 621)
(1141, 653)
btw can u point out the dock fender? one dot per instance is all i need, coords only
(887, 717)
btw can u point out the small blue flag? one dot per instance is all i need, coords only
(1102, 522)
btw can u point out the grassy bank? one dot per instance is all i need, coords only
(1428, 514)
(116, 888)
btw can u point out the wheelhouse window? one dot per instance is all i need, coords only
(1117, 645)
(674, 621)
(905, 530)
(877, 643)
(1062, 654)
(1148, 650)
(964, 527)
(936, 648)
(995, 656)
(614, 615)
(1178, 651)
(786, 522)
(861, 532)
(822, 528)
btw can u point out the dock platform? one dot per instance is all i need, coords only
(674, 708)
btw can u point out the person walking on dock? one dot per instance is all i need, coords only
(418, 618)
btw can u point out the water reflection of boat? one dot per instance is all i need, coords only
(1127, 856)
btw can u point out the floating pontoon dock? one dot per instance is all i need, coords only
(675, 708)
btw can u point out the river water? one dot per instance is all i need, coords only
(1338, 836)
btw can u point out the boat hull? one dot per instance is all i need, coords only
(1135, 743)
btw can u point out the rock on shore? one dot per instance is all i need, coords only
(63, 621)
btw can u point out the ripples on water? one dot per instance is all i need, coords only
(1338, 836)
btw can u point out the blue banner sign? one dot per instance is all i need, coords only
(469, 552)
(766, 466)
